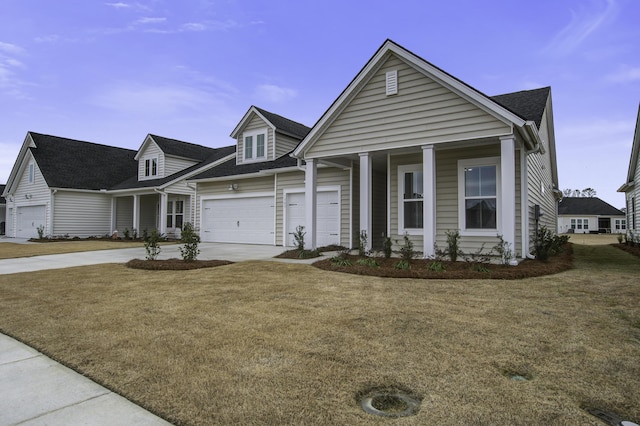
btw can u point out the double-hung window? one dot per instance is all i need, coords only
(255, 145)
(151, 167)
(175, 214)
(478, 189)
(411, 198)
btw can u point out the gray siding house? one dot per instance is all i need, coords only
(590, 215)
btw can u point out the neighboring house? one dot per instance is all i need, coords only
(3, 211)
(631, 187)
(584, 215)
(406, 148)
(76, 188)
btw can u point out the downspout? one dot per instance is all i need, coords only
(195, 202)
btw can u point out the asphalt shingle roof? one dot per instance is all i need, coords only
(284, 125)
(592, 206)
(69, 163)
(182, 149)
(230, 168)
(528, 104)
(133, 182)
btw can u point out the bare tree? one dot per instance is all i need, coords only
(577, 193)
(567, 192)
(589, 192)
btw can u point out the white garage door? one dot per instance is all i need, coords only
(246, 220)
(29, 218)
(327, 217)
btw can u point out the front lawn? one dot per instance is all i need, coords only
(14, 250)
(279, 343)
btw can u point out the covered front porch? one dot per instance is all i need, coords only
(425, 191)
(143, 212)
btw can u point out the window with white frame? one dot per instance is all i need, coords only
(255, 145)
(410, 198)
(32, 172)
(478, 189)
(579, 224)
(151, 167)
(175, 214)
(620, 225)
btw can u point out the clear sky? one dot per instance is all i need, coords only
(113, 71)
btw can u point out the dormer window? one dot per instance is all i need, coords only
(255, 145)
(151, 167)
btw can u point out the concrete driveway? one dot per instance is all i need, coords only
(208, 251)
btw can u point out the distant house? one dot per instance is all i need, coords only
(405, 149)
(631, 187)
(3, 211)
(584, 215)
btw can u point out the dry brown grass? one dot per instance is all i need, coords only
(14, 250)
(274, 343)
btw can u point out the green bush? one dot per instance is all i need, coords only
(340, 260)
(387, 247)
(403, 265)
(152, 245)
(453, 244)
(504, 250)
(407, 252)
(40, 230)
(189, 251)
(548, 243)
(298, 236)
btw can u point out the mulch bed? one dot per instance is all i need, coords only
(307, 254)
(634, 250)
(174, 264)
(456, 270)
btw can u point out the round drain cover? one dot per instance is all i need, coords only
(390, 404)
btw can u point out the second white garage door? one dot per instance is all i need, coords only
(247, 220)
(327, 217)
(29, 219)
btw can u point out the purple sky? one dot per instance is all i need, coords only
(112, 71)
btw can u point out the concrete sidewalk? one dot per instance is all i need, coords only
(35, 390)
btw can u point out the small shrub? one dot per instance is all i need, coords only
(126, 233)
(362, 244)
(386, 247)
(340, 260)
(453, 244)
(368, 261)
(404, 265)
(504, 250)
(189, 251)
(145, 234)
(436, 266)
(548, 243)
(135, 234)
(479, 267)
(40, 230)
(407, 252)
(152, 246)
(308, 254)
(298, 237)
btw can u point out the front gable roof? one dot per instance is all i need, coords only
(176, 148)
(69, 163)
(588, 206)
(217, 154)
(501, 112)
(278, 123)
(528, 104)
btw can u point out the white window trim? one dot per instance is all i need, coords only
(401, 171)
(487, 161)
(254, 141)
(151, 160)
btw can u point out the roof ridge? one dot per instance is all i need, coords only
(79, 141)
(262, 110)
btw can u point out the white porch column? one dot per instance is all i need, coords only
(162, 228)
(429, 199)
(508, 195)
(136, 212)
(310, 204)
(365, 196)
(113, 215)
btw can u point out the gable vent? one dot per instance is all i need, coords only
(392, 82)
